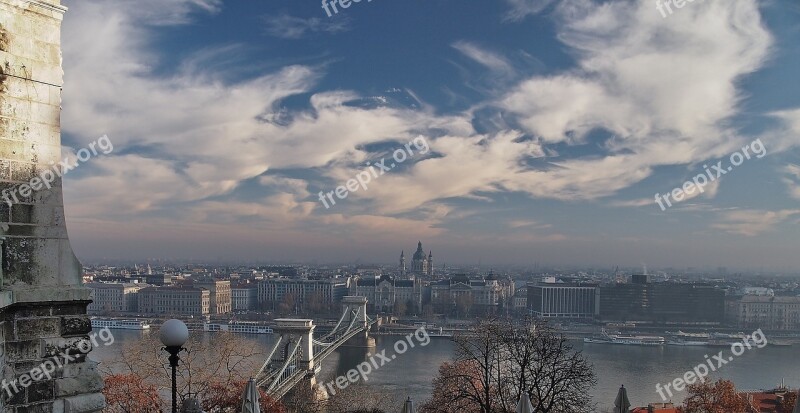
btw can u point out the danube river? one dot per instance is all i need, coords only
(638, 368)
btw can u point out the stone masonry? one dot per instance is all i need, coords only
(42, 300)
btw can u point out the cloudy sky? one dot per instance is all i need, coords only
(550, 125)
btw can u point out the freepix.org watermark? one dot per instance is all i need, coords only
(714, 363)
(699, 182)
(47, 176)
(45, 370)
(363, 370)
(374, 171)
(329, 5)
(668, 3)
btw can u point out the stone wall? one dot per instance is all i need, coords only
(48, 336)
(36, 249)
(43, 322)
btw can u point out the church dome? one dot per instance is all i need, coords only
(419, 254)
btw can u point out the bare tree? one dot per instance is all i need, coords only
(223, 360)
(546, 367)
(497, 362)
(362, 398)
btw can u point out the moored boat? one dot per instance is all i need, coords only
(120, 324)
(245, 327)
(627, 339)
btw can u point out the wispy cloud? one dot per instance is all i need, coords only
(529, 224)
(290, 27)
(521, 9)
(489, 59)
(792, 181)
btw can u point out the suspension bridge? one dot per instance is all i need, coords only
(297, 355)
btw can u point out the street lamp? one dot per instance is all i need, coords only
(174, 334)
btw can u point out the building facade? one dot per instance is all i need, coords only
(174, 301)
(662, 303)
(114, 298)
(384, 293)
(570, 301)
(465, 295)
(244, 297)
(301, 292)
(768, 313)
(520, 300)
(219, 294)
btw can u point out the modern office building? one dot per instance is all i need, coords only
(662, 303)
(569, 301)
(113, 297)
(174, 301)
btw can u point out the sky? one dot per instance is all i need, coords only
(495, 132)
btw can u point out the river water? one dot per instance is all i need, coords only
(638, 368)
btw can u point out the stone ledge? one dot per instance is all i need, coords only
(43, 294)
(78, 385)
(87, 403)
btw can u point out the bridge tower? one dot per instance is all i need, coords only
(356, 307)
(298, 330)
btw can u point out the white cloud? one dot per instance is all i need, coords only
(198, 136)
(753, 222)
(290, 27)
(638, 78)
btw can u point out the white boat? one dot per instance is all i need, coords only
(686, 343)
(683, 335)
(626, 339)
(120, 324)
(245, 327)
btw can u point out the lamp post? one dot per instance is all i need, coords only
(173, 334)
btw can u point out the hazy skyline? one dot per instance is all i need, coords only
(550, 126)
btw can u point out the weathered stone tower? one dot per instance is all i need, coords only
(42, 302)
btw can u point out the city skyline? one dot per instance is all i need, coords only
(548, 128)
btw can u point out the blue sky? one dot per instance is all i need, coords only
(551, 126)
